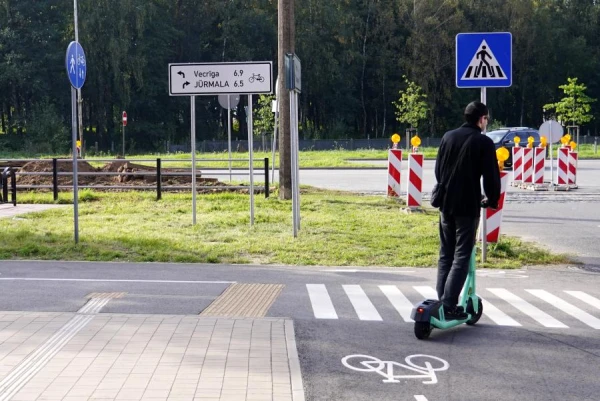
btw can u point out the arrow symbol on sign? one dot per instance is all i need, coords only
(186, 83)
(182, 74)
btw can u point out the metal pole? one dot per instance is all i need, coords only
(296, 156)
(266, 163)
(123, 140)
(484, 210)
(275, 129)
(294, 163)
(158, 179)
(55, 178)
(229, 132)
(193, 124)
(595, 145)
(551, 159)
(74, 150)
(251, 157)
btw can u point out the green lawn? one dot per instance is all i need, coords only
(338, 229)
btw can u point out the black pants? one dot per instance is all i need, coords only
(457, 239)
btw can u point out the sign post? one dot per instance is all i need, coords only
(228, 102)
(237, 78)
(294, 84)
(484, 60)
(76, 71)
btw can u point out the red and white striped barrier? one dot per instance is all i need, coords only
(539, 165)
(394, 166)
(517, 157)
(494, 216)
(414, 192)
(572, 173)
(527, 165)
(563, 166)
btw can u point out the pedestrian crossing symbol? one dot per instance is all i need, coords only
(484, 65)
(483, 60)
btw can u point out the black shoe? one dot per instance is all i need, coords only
(456, 313)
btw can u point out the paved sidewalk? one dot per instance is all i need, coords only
(8, 210)
(90, 356)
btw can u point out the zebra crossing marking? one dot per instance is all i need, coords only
(535, 313)
(398, 301)
(323, 308)
(566, 307)
(582, 296)
(321, 302)
(361, 303)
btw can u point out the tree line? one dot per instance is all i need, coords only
(355, 55)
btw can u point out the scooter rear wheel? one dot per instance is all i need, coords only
(423, 330)
(475, 316)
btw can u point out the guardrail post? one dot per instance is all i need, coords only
(13, 183)
(158, 180)
(55, 178)
(266, 177)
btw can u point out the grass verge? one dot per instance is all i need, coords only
(338, 229)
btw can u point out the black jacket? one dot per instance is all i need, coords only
(462, 182)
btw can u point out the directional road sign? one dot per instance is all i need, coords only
(76, 65)
(218, 78)
(484, 60)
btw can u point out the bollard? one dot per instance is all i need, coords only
(158, 180)
(394, 167)
(55, 178)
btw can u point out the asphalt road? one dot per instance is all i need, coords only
(526, 346)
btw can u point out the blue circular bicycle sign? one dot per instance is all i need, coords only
(76, 66)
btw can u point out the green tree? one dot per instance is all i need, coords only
(575, 106)
(264, 117)
(411, 107)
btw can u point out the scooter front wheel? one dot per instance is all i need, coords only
(475, 316)
(423, 330)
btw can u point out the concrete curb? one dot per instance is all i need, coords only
(294, 361)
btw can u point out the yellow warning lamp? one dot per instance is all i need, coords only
(573, 145)
(564, 140)
(530, 142)
(568, 136)
(502, 156)
(78, 143)
(543, 141)
(395, 140)
(415, 141)
(516, 140)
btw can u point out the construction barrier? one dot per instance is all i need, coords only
(414, 192)
(494, 216)
(394, 166)
(517, 157)
(572, 173)
(527, 165)
(539, 165)
(563, 166)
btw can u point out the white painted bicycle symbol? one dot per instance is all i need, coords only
(426, 371)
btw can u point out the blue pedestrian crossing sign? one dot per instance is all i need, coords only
(76, 65)
(484, 60)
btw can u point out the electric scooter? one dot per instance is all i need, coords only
(429, 314)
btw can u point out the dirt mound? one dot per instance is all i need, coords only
(45, 166)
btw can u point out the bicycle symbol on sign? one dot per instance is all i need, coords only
(368, 364)
(258, 77)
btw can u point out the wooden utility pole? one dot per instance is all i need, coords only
(286, 44)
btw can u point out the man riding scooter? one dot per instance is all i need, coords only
(464, 156)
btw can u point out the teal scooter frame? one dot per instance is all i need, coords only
(429, 314)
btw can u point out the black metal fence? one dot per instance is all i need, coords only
(156, 176)
(8, 173)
